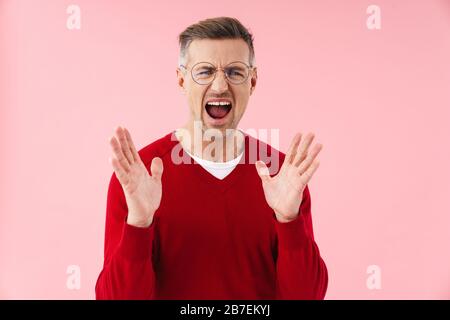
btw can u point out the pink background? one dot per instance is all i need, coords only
(378, 100)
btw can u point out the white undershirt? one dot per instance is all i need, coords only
(218, 169)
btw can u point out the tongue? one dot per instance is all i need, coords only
(217, 111)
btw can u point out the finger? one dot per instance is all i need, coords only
(262, 170)
(305, 177)
(117, 151)
(131, 144)
(124, 144)
(309, 159)
(120, 172)
(292, 148)
(303, 149)
(157, 168)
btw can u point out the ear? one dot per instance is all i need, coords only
(253, 80)
(180, 80)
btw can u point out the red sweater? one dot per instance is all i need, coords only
(210, 239)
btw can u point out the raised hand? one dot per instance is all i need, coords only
(284, 192)
(142, 191)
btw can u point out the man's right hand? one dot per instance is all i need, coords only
(142, 191)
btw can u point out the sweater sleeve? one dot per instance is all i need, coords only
(301, 271)
(127, 270)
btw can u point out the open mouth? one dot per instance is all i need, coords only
(218, 110)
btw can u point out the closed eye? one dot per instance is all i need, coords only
(235, 72)
(205, 71)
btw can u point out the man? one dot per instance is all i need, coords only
(186, 223)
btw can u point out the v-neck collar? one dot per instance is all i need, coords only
(216, 184)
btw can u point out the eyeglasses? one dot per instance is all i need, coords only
(204, 72)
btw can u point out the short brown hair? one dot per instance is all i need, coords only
(216, 28)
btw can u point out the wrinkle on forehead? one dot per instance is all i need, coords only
(219, 52)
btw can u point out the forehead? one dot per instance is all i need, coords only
(218, 51)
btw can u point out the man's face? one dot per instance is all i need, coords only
(203, 99)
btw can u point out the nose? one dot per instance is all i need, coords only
(220, 83)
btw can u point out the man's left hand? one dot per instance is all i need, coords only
(284, 192)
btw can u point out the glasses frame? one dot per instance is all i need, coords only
(249, 67)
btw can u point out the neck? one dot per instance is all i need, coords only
(218, 145)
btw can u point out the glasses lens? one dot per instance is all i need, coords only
(236, 72)
(203, 72)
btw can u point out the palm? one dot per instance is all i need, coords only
(284, 191)
(142, 191)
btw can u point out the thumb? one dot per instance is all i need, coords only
(262, 170)
(157, 168)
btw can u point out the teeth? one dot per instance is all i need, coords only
(221, 103)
